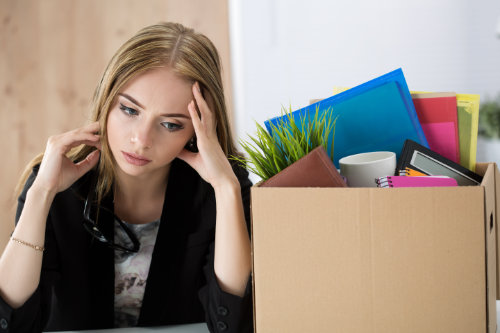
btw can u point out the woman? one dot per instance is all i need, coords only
(137, 218)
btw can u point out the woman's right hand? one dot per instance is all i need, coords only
(57, 172)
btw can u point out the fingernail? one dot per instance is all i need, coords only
(198, 87)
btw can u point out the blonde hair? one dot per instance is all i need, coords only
(189, 54)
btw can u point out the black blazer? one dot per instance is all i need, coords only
(76, 289)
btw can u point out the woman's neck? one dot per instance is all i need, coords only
(140, 199)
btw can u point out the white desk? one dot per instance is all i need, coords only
(191, 328)
(498, 315)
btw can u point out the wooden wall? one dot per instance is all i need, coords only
(52, 54)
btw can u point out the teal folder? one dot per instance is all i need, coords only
(378, 115)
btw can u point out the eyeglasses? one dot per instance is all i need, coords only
(90, 224)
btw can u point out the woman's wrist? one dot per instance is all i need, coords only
(41, 193)
(229, 184)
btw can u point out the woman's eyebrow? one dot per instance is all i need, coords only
(169, 115)
(133, 100)
(175, 115)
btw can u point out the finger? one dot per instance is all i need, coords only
(70, 140)
(189, 157)
(88, 143)
(210, 102)
(93, 127)
(198, 96)
(97, 144)
(186, 155)
(205, 111)
(195, 118)
(88, 163)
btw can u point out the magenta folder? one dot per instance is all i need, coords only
(437, 113)
(417, 181)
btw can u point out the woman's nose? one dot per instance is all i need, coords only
(143, 136)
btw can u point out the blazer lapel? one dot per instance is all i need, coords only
(102, 271)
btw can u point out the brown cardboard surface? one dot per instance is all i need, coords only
(374, 260)
(490, 218)
(494, 203)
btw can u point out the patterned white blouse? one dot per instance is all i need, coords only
(131, 272)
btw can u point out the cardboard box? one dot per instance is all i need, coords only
(376, 259)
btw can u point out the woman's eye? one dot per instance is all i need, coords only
(171, 126)
(128, 111)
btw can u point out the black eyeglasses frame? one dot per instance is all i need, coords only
(91, 225)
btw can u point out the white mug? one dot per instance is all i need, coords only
(361, 170)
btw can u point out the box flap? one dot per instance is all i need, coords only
(497, 214)
(494, 178)
(488, 171)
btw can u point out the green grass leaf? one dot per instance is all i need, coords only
(290, 141)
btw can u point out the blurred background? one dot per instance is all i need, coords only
(274, 53)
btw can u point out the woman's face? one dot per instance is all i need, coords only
(149, 123)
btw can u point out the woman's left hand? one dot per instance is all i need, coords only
(210, 161)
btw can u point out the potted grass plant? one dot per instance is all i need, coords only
(290, 140)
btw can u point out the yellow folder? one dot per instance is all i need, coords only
(468, 118)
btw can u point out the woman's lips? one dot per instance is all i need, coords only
(135, 159)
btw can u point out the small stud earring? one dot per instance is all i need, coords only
(192, 145)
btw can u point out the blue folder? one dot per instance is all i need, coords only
(378, 115)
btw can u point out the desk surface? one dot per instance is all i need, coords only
(192, 328)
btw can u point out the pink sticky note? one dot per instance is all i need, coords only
(442, 139)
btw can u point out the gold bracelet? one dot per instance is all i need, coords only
(36, 247)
